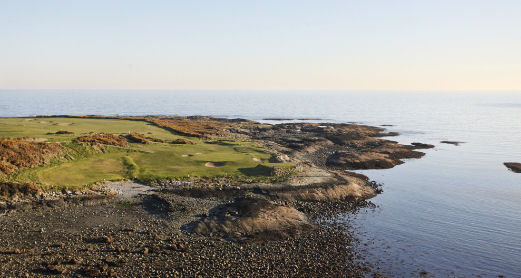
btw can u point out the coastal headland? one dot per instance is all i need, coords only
(185, 196)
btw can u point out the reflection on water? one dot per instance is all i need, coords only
(455, 212)
(447, 214)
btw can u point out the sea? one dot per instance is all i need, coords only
(456, 212)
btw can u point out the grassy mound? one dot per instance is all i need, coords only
(132, 167)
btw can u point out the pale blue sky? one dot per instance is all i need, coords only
(351, 45)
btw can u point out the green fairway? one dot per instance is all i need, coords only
(159, 160)
(45, 127)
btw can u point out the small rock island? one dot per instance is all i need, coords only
(513, 166)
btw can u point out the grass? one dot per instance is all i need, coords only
(189, 160)
(132, 167)
(83, 171)
(45, 127)
(195, 128)
(86, 165)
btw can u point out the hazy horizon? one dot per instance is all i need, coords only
(270, 45)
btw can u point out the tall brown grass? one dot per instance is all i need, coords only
(20, 153)
(103, 139)
(195, 128)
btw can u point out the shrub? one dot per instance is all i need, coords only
(63, 132)
(103, 139)
(138, 138)
(19, 153)
(195, 128)
(183, 141)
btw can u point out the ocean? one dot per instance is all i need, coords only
(455, 212)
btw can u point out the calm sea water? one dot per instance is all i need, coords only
(455, 212)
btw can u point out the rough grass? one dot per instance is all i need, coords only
(195, 128)
(85, 165)
(138, 138)
(47, 128)
(18, 153)
(103, 139)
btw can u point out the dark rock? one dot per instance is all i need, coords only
(455, 143)
(422, 145)
(90, 271)
(55, 269)
(353, 161)
(77, 261)
(513, 166)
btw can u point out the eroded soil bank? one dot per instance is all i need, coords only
(211, 227)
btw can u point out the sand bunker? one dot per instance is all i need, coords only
(187, 155)
(215, 164)
(257, 159)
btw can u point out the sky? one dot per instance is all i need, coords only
(261, 45)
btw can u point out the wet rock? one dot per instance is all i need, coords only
(513, 166)
(354, 161)
(418, 145)
(385, 156)
(455, 143)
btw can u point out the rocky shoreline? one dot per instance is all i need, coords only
(211, 228)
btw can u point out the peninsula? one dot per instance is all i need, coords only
(185, 196)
